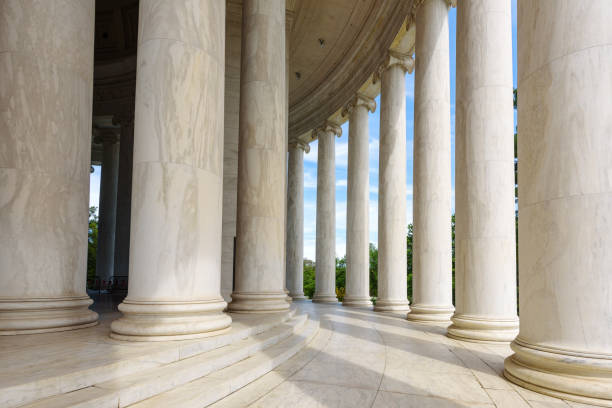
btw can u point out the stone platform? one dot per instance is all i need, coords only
(315, 356)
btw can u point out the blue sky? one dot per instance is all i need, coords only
(310, 161)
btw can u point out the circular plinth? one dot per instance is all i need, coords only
(31, 316)
(361, 302)
(298, 296)
(383, 305)
(483, 330)
(575, 376)
(325, 298)
(427, 313)
(258, 302)
(164, 321)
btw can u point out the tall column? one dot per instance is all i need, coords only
(485, 265)
(124, 194)
(175, 238)
(105, 252)
(392, 226)
(564, 347)
(295, 220)
(357, 204)
(46, 85)
(325, 266)
(262, 152)
(432, 255)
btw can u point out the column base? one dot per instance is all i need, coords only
(298, 296)
(31, 316)
(481, 329)
(357, 301)
(259, 302)
(430, 313)
(164, 321)
(390, 305)
(575, 376)
(322, 298)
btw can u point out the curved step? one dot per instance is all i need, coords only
(122, 390)
(215, 386)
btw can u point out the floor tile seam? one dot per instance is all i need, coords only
(356, 387)
(429, 395)
(384, 370)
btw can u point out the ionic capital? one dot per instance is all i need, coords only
(299, 144)
(328, 128)
(404, 61)
(359, 100)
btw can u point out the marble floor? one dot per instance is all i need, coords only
(357, 358)
(365, 359)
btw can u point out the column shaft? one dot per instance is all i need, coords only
(124, 197)
(432, 262)
(485, 266)
(262, 152)
(46, 85)
(175, 238)
(564, 347)
(295, 221)
(105, 254)
(357, 205)
(325, 269)
(392, 226)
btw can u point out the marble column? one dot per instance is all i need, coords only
(432, 255)
(295, 220)
(260, 244)
(325, 266)
(485, 257)
(357, 292)
(46, 86)
(564, 346)
(392, 225)
(105, 252)
(124, 194)
(175, 237)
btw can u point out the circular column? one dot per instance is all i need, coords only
(295, 220)
(485, 257)
(175, 238)
(262, 150)
(564, 347)
(432, 255)
(105, 255)
(325, 269)
(392, 262)
(45, 151)
(357, 204)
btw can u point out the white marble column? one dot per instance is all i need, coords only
(105, 252)
(46, 85)
(392, 226)
(432, 255)
(357, 292)
(325, 269)
(295, 220)
(175, 238)
(485, 265)
(262, 152)
(124, 194)
(564, 347)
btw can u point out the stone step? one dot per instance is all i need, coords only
(122, 379)
(219, 384)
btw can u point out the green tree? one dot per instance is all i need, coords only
(92, 245)
(373, 270)
(409, 263)
(309, 278)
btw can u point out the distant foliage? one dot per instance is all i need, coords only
(309, 278)
(92, 244)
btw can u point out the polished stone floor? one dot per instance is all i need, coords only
(358, 358)
(365, 359)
